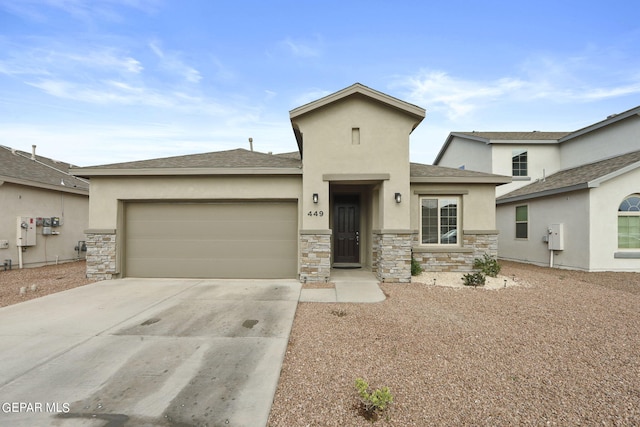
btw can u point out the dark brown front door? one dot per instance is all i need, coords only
(346, 225)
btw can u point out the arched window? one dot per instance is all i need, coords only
(629, 223)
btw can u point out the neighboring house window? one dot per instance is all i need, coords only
(519, 163)
(522, 222)
(629, 223)
(439, 220)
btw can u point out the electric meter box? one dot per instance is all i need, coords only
(26, 232)
(55, 221)
(556, 237)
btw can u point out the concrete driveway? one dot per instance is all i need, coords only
(134, 352)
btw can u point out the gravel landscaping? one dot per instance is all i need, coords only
(554, 347)
(535, 346)
(40, 281)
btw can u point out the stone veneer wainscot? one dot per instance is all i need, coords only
(101, 254)
(315, 256)
(392, 255)
(475, 244)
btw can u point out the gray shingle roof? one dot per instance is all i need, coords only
(517, 136)
(238, 158)
(420, 171)
(576, 178)
(18, 167)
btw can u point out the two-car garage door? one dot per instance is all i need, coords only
(211, 240)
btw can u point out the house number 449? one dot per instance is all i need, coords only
(315, 213)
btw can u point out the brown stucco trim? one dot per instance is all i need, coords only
(440, 192)
(356, 177)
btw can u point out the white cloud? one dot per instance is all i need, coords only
(459, 97)
(302, 49)
(84, 10)
(309, 96)
(171, 62)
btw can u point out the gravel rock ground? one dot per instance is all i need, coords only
(555, 347)
(46, 280)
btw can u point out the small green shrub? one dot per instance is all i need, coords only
(416, 268)
(487, 265)
(376, 401)
(474, 279)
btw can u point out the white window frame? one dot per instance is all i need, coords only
(516, 153)
(516, 222)
(440, 199)
(625, 214)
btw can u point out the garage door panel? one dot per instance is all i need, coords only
(225, 240)
(220, 269)
(219, 249)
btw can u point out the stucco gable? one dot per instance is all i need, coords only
(415, 112)
(577, 178)
(363, 90)
(614, 118)
(20, 167)
(487, 138)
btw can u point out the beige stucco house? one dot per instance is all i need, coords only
(348, 197)
(574, 201)
(44, 210)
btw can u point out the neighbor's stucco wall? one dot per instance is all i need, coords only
(542, 160)
(20, 200)
(473, 155)
(604, 203)
(106, 192)
(571, 209)
(609, 141)
(383, 148)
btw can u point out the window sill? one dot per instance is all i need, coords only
(442, 249)
(520, 178)
(628, 255)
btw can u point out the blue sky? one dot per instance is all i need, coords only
(103, 81)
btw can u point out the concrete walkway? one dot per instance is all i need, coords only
(351, 285)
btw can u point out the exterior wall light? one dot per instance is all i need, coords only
(315, 197)
(398, 197)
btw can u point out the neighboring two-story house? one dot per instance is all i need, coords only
(574, 199)
(349, 197)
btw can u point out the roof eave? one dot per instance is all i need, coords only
(497, 180)
(411, 109)
(449, 139)
(610, 120)
(597, 181)
(544, 193)
(93, 172)
(44, 186)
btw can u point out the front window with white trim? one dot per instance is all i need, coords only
(519, 163)
(439, 218)
(629, 223)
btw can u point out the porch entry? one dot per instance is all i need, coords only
(346, 229)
